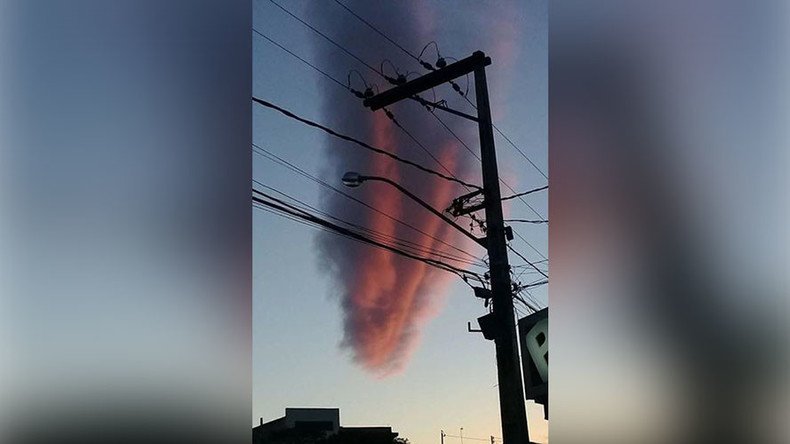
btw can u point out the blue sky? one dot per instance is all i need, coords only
(450, 379)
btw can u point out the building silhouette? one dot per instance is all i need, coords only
(317, 426)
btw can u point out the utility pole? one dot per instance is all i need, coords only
(511, 391)
(442, 436)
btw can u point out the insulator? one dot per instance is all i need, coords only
(368, 92)
(441, 63)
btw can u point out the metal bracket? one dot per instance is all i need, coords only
(444, 108)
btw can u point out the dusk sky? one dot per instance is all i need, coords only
(143, 297)
(414, 366)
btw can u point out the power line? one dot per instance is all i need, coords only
(532, 298)
(526, 304)
(502, 181)
(377, 30)
(512, 405)
(306, 216)
(419, 248)
(449, 130)
(518, 288)
(501, 133)
(377, 71)
(535, 284)
(414, 139)
(430, 67)
(527, 261)
(327, 38)
(528, 221)
(519, 150)
(389, 114)
(526, 192)
(380, 73)
(516, 233)
(300, 58)
(338, 45)
(301, 214)
(526, 270)
(360, 143)
(304, 220)
(279, 160)
(523, 239)
(360, 95)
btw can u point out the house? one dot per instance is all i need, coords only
(317, 426)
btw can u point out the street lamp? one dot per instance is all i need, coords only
(353, 179)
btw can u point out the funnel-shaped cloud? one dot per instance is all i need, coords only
(386, 298)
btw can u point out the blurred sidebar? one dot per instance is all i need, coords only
(668, 158)
(125, 221)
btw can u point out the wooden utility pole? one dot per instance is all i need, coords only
(511, 391)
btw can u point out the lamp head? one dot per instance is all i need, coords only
(352, 179)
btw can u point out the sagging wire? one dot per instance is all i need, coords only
(400, 79)
(369, 87)
(441, 62)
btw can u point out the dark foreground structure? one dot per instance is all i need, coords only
(317, 426)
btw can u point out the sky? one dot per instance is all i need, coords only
(308, 347)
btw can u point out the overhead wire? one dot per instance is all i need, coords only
(390, 115)
(360, 143)
(300, 58)
(301, 214)
(359, 94)
(327, 38)
(535, 284)
(403, 243)
(306, 216)
(303, 220)
(526, 304)
(340, 84)
(527, 261)
(427, 66)
(532, 298)
(430, 67)
(534, 190)
(523, 239)
(279, 160)
(528, 221)
(379, 72)
(389, 154)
